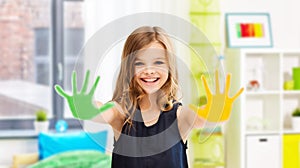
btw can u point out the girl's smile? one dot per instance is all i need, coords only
(150, 80)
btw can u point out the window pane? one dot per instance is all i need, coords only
(73, 43)
(41, 41)
(24, 58)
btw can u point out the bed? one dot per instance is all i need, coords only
(72, 149)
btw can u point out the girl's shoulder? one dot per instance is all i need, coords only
(176, 105)
(174, 108)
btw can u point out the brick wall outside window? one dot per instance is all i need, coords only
(19, 22)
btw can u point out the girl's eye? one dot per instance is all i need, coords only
(159, 62)
(138, 64)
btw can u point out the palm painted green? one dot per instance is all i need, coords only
(80, 103)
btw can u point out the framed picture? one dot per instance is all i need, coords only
(248, 30)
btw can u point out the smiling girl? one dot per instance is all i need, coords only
(150, 124)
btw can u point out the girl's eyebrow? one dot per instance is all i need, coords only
(156, 58)
(160, 58)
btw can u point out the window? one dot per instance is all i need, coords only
(41, 56)
(73, 42)
(21, 93)
(28, 59)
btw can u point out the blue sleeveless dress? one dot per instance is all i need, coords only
(156, 146)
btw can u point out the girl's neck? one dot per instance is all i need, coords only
(149, 103)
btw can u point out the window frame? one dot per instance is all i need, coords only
(58, 64)
(57, 67)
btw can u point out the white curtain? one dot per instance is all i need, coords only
(100, 12)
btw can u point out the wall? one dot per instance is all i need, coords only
(284, 18)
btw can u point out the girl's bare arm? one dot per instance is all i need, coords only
(113, 116)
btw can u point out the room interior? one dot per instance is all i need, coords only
(44, 41)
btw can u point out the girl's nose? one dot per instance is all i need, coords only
(149, 70)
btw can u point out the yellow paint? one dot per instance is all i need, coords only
(219, 105)
(291, 150)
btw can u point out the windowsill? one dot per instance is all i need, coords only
(15, 134)
(21, 134)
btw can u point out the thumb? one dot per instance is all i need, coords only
(60, 91)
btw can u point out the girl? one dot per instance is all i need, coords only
(150, 125)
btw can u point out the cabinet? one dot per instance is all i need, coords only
(263, 111)
(258, 147)
(291, 150)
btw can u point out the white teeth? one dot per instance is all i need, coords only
(149, 79)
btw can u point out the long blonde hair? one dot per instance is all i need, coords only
(127, 91)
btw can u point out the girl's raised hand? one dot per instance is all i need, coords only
(80, 103)
(219, 105)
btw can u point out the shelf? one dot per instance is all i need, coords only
(262, 111)
(290, 131)
(265, 108)
(290, 102)
(262, 132)
(264, 69)
(292, 92)
(267, 92)
(262, 92)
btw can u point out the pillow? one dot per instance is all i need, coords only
(76, 159)
(53, 143)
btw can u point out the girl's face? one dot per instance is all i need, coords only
(151, 67)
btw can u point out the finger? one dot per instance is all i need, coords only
(86, 81)
(106, 106)
(74, 84)
(238, 94)
(227, 85)
(95, 85)
(207, 90)
(217, 82)
(60, 91)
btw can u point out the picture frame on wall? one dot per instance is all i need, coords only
(248, 30)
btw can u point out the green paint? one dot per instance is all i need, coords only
(80, 103)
